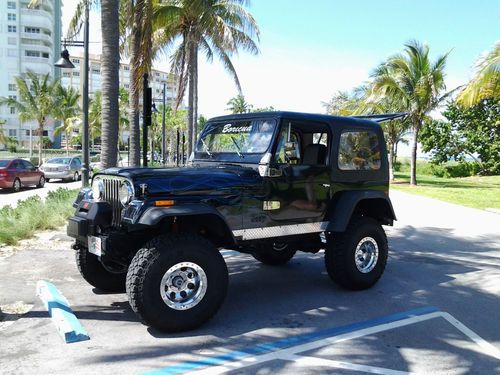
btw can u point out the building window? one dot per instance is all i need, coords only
(66, 74)
(45, 55)
(32, 30)
(32, 53)
(12, 41)
(12, 29)
(27, 133)
(11, 17)
(12, 87)
(14, 97)
(11, 5)
(359, 150)
(76, 74)
(96, 70)
(12, 132)
(75, 61)
(12, 110)
(126, 85)
(126, 68)
(45, 133)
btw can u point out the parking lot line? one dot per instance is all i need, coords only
(315, 362)
(269, 351)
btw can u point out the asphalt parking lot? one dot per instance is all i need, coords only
(435, 310)
(9, 198)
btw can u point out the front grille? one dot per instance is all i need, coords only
(111, 195)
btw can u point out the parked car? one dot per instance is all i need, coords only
(16, 173)
(66, 168)
(267, 184)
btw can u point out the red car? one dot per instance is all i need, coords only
(15, 173)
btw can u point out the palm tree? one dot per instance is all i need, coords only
(3, 137)
(95, 116)
(123, 124)
(486, 81)
(238, 104)
(415, 83)
(217, 28)
(67, 110)
(37, 99)
(110, 66)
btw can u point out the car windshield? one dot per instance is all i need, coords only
(4, 163)
(239, 137)
(59, 161)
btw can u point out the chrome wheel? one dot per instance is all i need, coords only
(278, 246)
(17, 185)
(76, 176)
(366, 255)
(183, 286)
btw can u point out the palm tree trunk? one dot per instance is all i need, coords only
(195, 101)
(191, 96)
(110, 81)
(413, 164)
(67, 143)
(391, 159)
(135, 137)
(40, 142)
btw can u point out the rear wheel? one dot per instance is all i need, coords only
(96, 275)
(356, 258)
(177, 282)
(76, 176)
(16, 185)
(41, 182)
(274, 254)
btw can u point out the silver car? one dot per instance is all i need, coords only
(66, 168)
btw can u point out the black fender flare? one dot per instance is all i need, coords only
(152, 216)
(341, 210)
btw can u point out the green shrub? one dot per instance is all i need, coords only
(33, 214)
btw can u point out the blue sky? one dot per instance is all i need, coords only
(311, 49)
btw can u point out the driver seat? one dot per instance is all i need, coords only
(314, 154)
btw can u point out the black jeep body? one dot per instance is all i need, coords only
(267, 184)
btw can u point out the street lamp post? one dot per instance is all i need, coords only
(64, 62)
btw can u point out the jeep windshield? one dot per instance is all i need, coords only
(236, 137)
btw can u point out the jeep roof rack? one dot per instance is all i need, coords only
(383, 116)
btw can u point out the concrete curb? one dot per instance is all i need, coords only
(57, 305)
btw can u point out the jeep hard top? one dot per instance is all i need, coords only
(267, 184)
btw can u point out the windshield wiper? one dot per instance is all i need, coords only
(207, 150)
(238, 149)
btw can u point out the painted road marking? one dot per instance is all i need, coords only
(63, 317)
(269, 349)
(283, 349)
(315, 362)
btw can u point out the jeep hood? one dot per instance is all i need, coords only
(188, 180)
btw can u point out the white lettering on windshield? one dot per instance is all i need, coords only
(229, 128)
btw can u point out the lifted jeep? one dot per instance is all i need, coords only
(266, 184)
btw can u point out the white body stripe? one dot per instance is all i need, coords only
(279, 231)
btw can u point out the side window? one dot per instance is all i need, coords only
(27, 164)
(359, 150)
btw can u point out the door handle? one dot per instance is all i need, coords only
(325, 185)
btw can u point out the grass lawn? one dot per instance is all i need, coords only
(476, 192)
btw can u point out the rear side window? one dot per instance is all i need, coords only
(359, 150)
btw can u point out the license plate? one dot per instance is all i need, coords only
(95, 245)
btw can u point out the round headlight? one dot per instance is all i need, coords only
(126, 192)
(97, 188)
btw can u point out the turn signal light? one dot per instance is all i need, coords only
(164, 203)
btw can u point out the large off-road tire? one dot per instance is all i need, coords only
(177, 282)
(356, 258)
(96, 275)
(274, 254)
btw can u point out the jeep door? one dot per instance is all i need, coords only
(300, 192)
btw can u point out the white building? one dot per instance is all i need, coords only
(29, 40)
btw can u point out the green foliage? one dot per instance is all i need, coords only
(472, 132)
(33, 214)
(238, 104)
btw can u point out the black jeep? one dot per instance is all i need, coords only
(266, 184)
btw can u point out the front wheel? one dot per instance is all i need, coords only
(177, 282)
(41, 182)
(274, 254)
(356, 258)
(96, 275)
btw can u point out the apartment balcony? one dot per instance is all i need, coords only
(36, 47)
(37, 18)
(41, 36)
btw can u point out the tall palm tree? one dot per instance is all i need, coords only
(67, 110)
(123, 123)
(415, 83)
(486, 81)
(213, 27)
(110, 67)
(238, 104)
(37, 99)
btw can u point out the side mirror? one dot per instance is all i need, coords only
(266, 169)
(292, 151)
